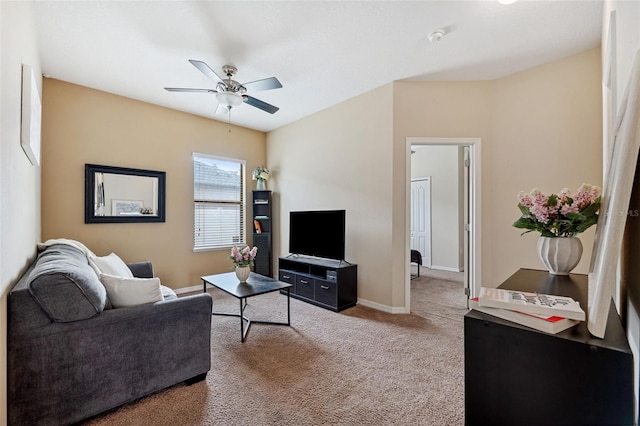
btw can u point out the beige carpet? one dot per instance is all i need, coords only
(356, 367)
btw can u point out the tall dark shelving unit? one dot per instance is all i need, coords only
(262, 232)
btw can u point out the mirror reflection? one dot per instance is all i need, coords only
(116, 194)
(125, 195)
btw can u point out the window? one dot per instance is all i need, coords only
(218, 202)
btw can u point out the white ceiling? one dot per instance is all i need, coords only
(323, 52)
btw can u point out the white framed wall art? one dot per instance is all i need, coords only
(31, 115)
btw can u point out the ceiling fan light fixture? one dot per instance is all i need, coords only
(229, 99)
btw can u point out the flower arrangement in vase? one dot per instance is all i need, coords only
(561, 215)
(559, 218)
(260, 174)
(243, 259)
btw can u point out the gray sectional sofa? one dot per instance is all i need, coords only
(71, 356)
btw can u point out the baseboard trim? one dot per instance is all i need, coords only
(383, 308)
(446, 268)
(188, 289)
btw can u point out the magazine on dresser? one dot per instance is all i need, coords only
(531, 303)
(551, 324)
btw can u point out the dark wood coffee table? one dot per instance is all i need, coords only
(256, 284)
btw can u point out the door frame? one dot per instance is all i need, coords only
(475, 244)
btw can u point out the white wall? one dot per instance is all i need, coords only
(442, 164)
(19, 180)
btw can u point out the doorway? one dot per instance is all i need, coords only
(470, 237)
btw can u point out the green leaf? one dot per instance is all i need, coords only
(590, 209)
(525, 223)
(577, 216)
(524, 210)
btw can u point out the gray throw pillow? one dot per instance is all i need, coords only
(65, 286)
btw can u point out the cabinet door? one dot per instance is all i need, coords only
(288, 277)
(262, 261)
(326, 292)
(304, 286)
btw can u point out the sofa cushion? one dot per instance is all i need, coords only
(125, 292)
(65, 286)
(111, 265)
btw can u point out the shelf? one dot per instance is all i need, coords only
(262, 240)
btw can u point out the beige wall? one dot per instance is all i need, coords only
(442, 165)
(441, 110)
(547, 133)
(81, 125)
(541, 127)
(19, 180)
(340, 158)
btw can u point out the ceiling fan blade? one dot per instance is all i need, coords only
(264, 84)
(206, 70)
(260, 104)
(181, 89)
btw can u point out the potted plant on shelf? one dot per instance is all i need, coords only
(243, 259)
(559, 218)
(261, 174)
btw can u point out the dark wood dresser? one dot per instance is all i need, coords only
(515, 375)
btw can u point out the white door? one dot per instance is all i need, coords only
(421, 218)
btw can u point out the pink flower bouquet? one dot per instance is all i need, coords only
(244, 256)
(561, 215)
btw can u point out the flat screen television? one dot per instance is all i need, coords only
(319, 233)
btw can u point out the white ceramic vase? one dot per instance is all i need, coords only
(561, 254)
(242, 272)
(261, 186)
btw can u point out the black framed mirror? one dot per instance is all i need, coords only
(123, 195)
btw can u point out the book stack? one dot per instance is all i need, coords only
(543, 312)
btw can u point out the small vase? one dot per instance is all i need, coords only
(261, 186)
(242, 272)
(561, 254)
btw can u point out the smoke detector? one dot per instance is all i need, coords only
(436, 36)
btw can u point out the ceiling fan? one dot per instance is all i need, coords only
(229, 93)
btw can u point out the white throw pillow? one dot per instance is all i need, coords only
(110, 265)
(168, 293)
(126, 292)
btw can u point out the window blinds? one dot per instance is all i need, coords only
(218, 199)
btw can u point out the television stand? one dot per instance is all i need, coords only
(330, 284)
